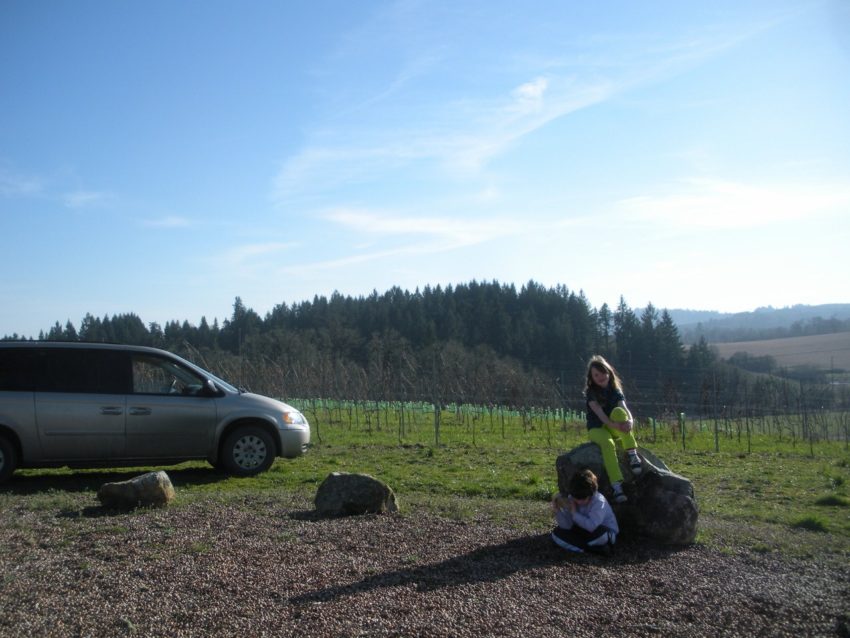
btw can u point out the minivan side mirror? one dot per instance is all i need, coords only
(211, 389)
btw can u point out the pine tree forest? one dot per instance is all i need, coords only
(475, 343)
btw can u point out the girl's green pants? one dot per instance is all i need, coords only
(604, 437)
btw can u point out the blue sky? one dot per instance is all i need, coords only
(163, 158)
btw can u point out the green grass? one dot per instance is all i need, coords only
(812, 523)
(781, 496)
(833, 500)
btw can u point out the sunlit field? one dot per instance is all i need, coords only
(777, 491)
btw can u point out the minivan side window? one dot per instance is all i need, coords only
(82, 371)
(156, 375)
(17, 370)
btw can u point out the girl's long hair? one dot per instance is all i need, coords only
(599, 362)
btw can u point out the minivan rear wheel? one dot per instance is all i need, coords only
(248, 450)
(8, 458)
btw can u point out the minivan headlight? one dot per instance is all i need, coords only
(293, 417)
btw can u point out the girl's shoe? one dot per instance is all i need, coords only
(619, 497)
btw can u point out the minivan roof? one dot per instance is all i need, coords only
(29, 345)
(84, 345)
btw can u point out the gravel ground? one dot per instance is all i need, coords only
(269, 569)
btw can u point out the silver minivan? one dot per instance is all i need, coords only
(89, 405)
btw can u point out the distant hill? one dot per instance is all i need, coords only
(821, 352)
(684, 318)
(761, 323)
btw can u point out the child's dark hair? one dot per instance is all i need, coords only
(583, 484)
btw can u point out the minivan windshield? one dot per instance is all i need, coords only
(222, 383)
(209, 375)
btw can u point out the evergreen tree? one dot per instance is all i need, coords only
(603, 322)
(668, 344)
(91, 329)
(626, 334)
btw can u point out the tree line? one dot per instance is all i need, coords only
(480, 342)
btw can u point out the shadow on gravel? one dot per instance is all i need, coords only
(309, 515)
(93, 511)
(91, 481)
(316, 516)
(486, 564)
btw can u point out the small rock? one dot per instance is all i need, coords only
(153, 488)
(343, 494)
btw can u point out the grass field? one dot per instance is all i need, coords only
(825, 352)
(784, 496)
(416, 423)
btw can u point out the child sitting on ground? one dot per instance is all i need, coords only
(585, 519)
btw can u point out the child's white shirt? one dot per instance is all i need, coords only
(597, 511)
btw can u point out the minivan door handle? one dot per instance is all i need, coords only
(140, 411)
(111, 410)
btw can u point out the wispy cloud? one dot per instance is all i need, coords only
(85, 199)
(412, 235)
(13, 184)
(463, 135)
(702, 203)
(459, 231)
(361, 258)
(463, 141)
(332, 166)
(530, 107)
(16, 185)
(246, 253)
(411, 71)
(168, 222)
(529, 96)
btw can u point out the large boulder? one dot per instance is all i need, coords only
(661, 504)
(343, 494)
(151, 489)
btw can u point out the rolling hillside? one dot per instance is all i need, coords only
(718, 327)
(826, 352)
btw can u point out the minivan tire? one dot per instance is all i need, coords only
(8, 458)
(248, 450)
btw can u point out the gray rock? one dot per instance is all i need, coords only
(661, 504)
(343, 494)
(153, 488)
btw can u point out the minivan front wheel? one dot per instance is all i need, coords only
(247, 451)
(8, 458)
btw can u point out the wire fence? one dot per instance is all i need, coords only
(433, 424)
(473, 405)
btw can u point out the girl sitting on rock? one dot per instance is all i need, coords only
(603, 394)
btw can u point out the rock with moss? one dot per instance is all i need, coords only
(153, 489)
(344, 494)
